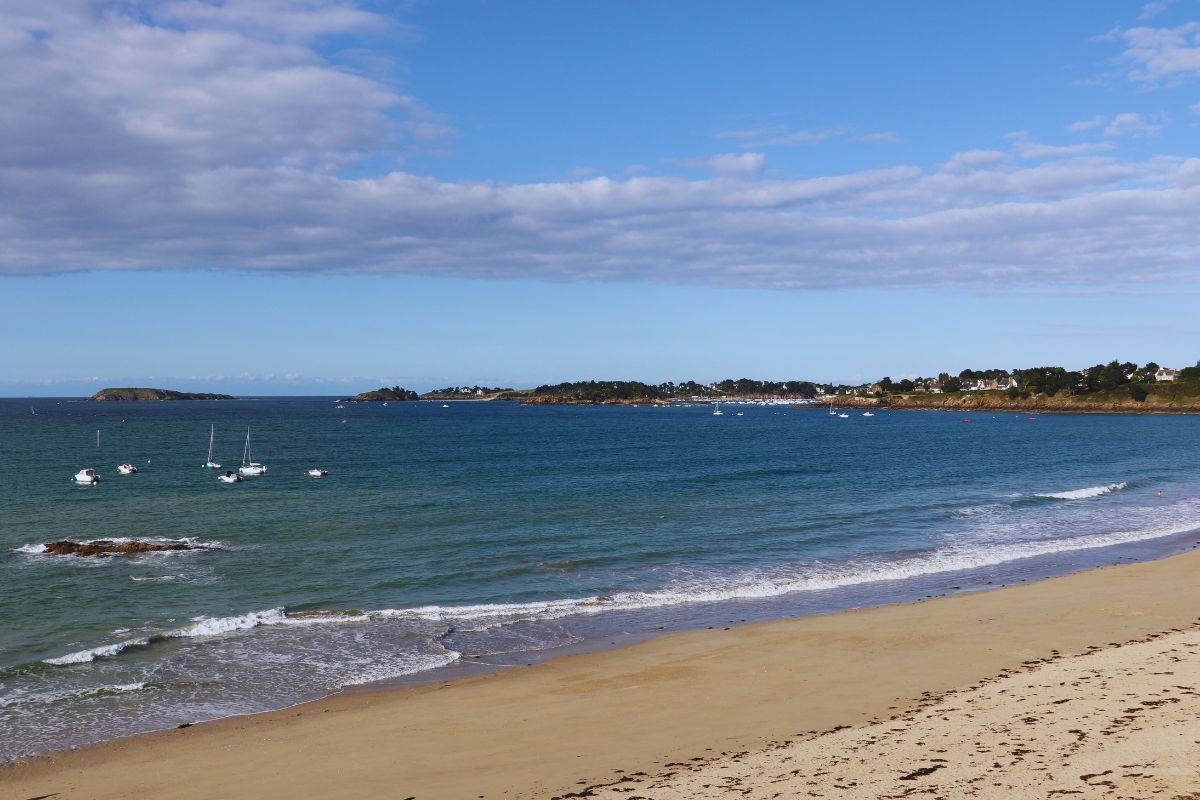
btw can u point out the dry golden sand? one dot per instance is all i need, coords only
(1123, 722)
(765, 690)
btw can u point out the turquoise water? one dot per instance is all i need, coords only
(494, 533)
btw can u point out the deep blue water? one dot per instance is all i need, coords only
(468, 534)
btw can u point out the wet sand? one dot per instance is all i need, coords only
(759, 694)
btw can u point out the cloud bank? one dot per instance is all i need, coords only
(197, 135)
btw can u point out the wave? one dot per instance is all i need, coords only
(1083, 494)
(103, 651)
(749, 585)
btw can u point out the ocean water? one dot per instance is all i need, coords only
(481, 536)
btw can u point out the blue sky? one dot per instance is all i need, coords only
(297, 196)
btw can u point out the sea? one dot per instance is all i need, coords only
(455, 539)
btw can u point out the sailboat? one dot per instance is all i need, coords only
(717, 412)
(832, 413)
(249, 467)
(210, 464)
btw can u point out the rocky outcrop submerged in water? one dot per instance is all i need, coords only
(103, 548)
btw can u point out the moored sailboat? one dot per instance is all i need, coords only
(210, 464)
(250, 467)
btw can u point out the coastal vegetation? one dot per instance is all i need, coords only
(639, 392)
(1113, 386)
(144, 393)
(466, 393)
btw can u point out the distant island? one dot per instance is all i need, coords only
(142, 393)
(384, 393)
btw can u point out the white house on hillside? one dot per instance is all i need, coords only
(1165, 375)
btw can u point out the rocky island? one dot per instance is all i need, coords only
(142, 393)
(384, 394)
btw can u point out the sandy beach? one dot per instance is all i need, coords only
(1080, 686)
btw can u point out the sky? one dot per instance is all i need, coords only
(313, 196)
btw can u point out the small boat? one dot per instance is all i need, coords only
(230, 477)
(126, 469)
(717, 412)
(445, 406)
(339, 406)
(385, 403)
(86, 477)
(739, 414)
(868, 414)
(249, 466)
(210, 464)
(316, 472)
(844, 416)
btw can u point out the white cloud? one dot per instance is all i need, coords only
(1087, 124)
(189, 136)
(737, 164)
(1130, 124)
(1153, 9)
(781, 135)
(1125, 124)
(971, 160)
(1162, 55)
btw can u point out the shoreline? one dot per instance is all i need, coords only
(577, 720)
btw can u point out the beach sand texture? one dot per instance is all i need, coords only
(559, 728)
(1123, 722)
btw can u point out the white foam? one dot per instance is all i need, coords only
(1083, 494)
(30, 548)
(215, 626)
(54, 697)
(709, 588)
(409, 664)
(103, 651)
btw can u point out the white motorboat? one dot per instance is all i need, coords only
(87, 477)
(250, 467)
(445, 406)
(739, 414)
(316, 472)
(210, 464)
(230, 477)
(844, 416)
(868, 414)
(126, 469)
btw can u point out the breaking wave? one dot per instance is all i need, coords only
(746, 585)
(1083, 494)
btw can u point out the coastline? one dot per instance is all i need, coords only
(582, 720)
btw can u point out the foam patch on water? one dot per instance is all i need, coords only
(406, 664)
(1083, 494)
(55, 697)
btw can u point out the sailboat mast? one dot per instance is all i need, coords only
(246, 452)
(211, 431)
